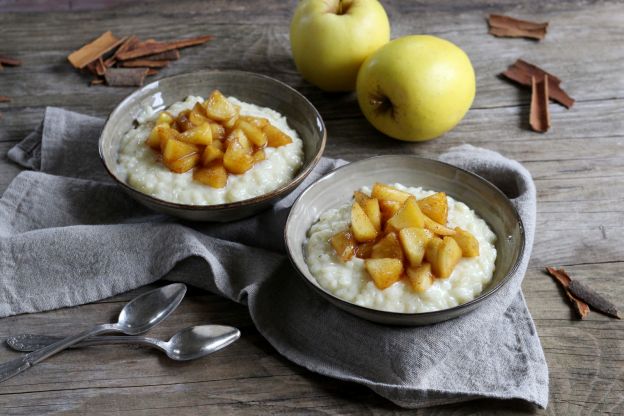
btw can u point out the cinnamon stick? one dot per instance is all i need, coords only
(522, 71)
(540, 116)
(581, 308)
(172, 55)
(4, 99)
(125, 77)
(583, 294)
(144, 63)
(151, 72)
(8, 61)
(151, 48)
(94, 50)
(506, 26)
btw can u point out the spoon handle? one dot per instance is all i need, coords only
(32, 342)
(18, 365)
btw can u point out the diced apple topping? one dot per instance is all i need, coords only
(435, 207)
(420, 277)
(214, 139)
(385, 272)
(344, 245)
(362, 227)
(467, 242)
(391, 231)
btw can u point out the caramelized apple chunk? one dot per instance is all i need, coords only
(362, 227)
(387, 247)
(409, 215)
(210, 154)
(219, 108)
(253, 133)
(420, 277)
(435, 207)
(276, 137)
(467, 242)
(382, 191)
(385, 272)
(344, 245)
(201, 135)
(414, 242)
(213, 175)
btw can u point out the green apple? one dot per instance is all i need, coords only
(331, 38)
(416, 88)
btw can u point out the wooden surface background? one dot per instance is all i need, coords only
(578, 168)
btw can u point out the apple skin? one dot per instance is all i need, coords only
(329, 48)
(416, 88)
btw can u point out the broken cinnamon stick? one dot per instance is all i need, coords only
(151, 48)
(540, 116)
(8, 61)
(522, 71)
(593, 299)
(581, 308)
(172, 55)
(97, 81)
(125, 77)
(144, 63)
(151, 72)
(94, 50)
(506, 26)
(583, 294)
(130, 42)
(4, 99)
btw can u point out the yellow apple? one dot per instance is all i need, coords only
(331, 38)
(416, 88)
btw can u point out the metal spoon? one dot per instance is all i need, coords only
(139, 315)
(188, 344)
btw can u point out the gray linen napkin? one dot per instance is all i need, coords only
(69, 235)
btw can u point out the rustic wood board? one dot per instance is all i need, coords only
(578, 169)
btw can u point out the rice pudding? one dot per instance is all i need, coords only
(142, 168)
(349, 277)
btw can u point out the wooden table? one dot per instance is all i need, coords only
(578, 168)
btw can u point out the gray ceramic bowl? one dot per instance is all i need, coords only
(336, 189)
(253, 88)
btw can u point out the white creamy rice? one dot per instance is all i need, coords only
(140, 167)
(350, 281)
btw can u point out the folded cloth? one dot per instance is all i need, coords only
(69, 235)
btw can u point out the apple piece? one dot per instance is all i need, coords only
(382, 191)
(159, 136)
(237, 158)
(414, 242)
(436, 228)
(165, 117)
(253, 133)
(388, 209)
(259, 155)
(362, 227)
(210, 154)
(448, 256)
(276, 137)
(219, 108)
(431, 253)
(183, 164)
(385, 272)
(396, 77)
(364, 250)
(218, 144)
(344, 245)
(388, 247)
(360, 197)
(435, 207)
(467, 242)
(371, 208)
(201, 135)
(153, 140)
(218, 131)
(175, 149)
(319, 31)
(408, 216)
(259, 122)
(420, 277)
(182, 122)
(213, 175)
(230, 123)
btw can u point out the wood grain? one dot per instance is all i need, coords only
(577, 166)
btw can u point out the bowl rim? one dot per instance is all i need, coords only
(282, 190)
(453, 311)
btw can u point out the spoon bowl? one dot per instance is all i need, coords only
(149, 309)
(197, 341)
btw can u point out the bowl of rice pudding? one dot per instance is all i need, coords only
(404, 240)
(212, 145)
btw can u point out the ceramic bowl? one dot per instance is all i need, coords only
(252, 88)
(336, 189)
